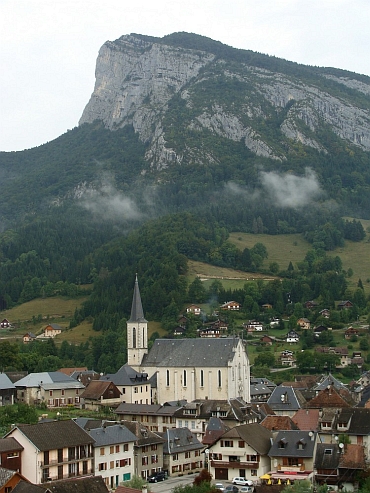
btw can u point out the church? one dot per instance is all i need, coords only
(187, 369)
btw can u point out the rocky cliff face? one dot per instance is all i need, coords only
(137, 79)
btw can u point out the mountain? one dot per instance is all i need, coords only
(194, 139)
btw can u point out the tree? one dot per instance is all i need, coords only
(196, 291)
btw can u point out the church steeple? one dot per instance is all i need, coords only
(137, 331)
(137, 312)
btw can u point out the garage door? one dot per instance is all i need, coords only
(221, 474)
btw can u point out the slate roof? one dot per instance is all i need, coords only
(146, 409)
(179, 440)
(35, 379)
(215, 428)
(88, 423)
(307, 419)
(143, 435)
(137, 313)
(5, 382)
(111, 435)
(279, 423)
(126, 376)
(208, 352)
(255, 435)
(360, 421)
(285, 399)
(291, 439)
(5, 475)
(25, 487)
(53, 435)
(259, 389)
(328, 460)
(92, 484)
(9, 444)
(331, 381)
(351, 457)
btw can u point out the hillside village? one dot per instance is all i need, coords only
(182, 406)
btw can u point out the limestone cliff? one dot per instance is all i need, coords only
(163, 89)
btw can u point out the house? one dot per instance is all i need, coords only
(311, 305)
(186, 369)
(29, 337)
(193, 310)
(113, 453)
(215, 428)
(195, 415)
(341, 352)
(292, 455)
(53, 388)
(230, 305)
(278, 423)
(260, 392)
(52, 330)
(304, 323)
(148, 449)
(253, 325)
(92, 484)
(241, 451)
(99, 394)
(345, 305)
(155, 417)
(8, 391)
(267, 306)
(133, 385)
(351, 332)
(339, 465)
(292, 336)
(5, 324)
(214, 329)
(182, 452)
(287, 359)
(317, 331)
(267, 340)
(11, 454)
(179, 331)
(307, 419)
(54, 450)
(325, 313)
(286, 400)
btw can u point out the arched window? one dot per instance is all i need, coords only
(168, 378)
(184, 379)
(219, 378)
(134, 337)
(201, 378)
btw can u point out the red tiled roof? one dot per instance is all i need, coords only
(306, 419)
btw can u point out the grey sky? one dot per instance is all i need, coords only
(48, 48)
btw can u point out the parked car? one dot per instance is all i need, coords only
(231, 489)
(242, 481)
(157, 476)
(220, 486)
(247, 489)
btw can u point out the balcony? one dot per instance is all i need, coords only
(235, 464)
(297, 468)
(50, 478)
(65, 460)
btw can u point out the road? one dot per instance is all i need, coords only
(169, 484)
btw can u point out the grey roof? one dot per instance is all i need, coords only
(137, 312)
(35, 379)
(74, 384)
(327, 460)
(180, 440)
(126, 376)
(55, 435)
(143, 435)
(255, 435)
(25, 487)
(5, 382)
(9, 444)
(5, 475)
(169, 353)
(111, 435)
(329, 380)
(88, 423)
(92, 484)
(285, 399)
(146, 409)
(293, 443)
(258, 389)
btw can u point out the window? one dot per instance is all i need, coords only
(50, 393)
(186, 424)
(154, 459)
(193, 425)
(111, 449)
(135, 390)
(102, 466)
(144, 461)
(125, 447)
(227, 443)
(187, 455)
(102, 451)
(197, 453)
(175, 456)
(201, 378)
(111, 465)
(180, 423)
(167, 378)
(219, 378)
(117, 449)
(154, 447)
(11, 455)
(63, 392)
(184, 381)
(253, 472)
(241, 444)
(328, 451)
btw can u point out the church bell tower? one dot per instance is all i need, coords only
(137, 331)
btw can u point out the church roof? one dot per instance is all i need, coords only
(137, 312)
(199, 352)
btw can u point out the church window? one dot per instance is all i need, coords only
(201, 378)
(168, 378)
(134, 337)
(184, 382)
(219, 378)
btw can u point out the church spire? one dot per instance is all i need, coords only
(137, 312)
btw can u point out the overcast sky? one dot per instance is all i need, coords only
(48, 48)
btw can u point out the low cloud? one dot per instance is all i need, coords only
(288, 190)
